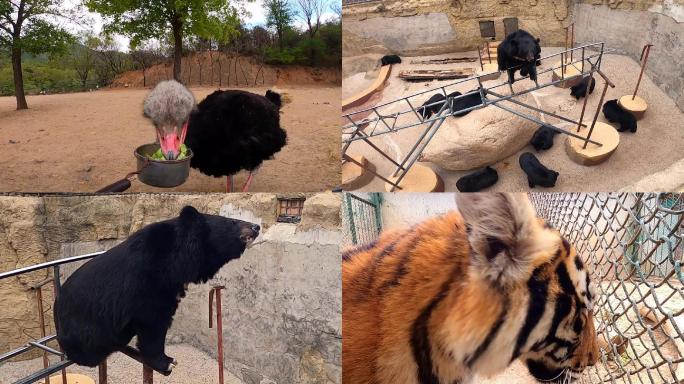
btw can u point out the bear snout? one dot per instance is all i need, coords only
(249, 232)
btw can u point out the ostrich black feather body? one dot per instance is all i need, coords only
(234, 130)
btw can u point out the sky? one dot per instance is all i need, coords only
(257, 17)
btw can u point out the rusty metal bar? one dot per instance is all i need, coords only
(646, 50)
(148, 375)
(219, 326)
(102, 372)
(56, 288)
(41, 322)
(598, 109)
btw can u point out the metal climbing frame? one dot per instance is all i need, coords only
(633, 243)
(41, 343)
(404, 113)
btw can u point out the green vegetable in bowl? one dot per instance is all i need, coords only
(159, 156)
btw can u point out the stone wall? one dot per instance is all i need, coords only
(282, 302)
(628, 25)
(421, 27)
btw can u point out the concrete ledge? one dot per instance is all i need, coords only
(671, 179)
(364, 95)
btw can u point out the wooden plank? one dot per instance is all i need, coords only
(428, 74)
(448, 60)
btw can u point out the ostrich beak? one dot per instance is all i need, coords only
(169, 142)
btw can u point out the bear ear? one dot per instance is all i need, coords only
(189, 212)
(504, 235)
(538, 40)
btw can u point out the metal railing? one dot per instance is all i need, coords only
(634, 245)
(361, 218)
(41, 343)
(405, 112)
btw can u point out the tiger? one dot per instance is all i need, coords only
(465, 294)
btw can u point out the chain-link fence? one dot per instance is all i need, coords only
(634, 244)
(361, 218)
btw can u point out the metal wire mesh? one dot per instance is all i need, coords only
(361, 218)
(634, 245)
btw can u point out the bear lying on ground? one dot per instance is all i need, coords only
(615, 114)
(537, 173)
(134, 288)
(390, 59)
(426, 110)
(519, 50)
(471, 99)
(478, 180)
(579, 90)
(543, 138)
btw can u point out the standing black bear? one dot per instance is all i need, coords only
(519, 50)
(134, 288)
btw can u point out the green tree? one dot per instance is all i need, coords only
(279, 15)
(25, 26)
(83, 56)
(145, 19)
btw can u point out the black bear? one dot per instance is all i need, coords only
(580, 89)
(615, 114)
(537, 173)
(390, 59)
(134, 288)
(478, 180)
(543, 138)
(519, 50)
(471, 99)
(427, 110)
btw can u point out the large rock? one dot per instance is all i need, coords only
(483, 137)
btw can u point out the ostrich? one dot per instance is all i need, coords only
(227, 131)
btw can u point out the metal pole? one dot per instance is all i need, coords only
(598, 108)
(572, 40)
(219, 326)
(584, 105)
(148, 375)
(57, 287)
(488, 53)
(102, 372)
(644, 59)
(536, 109)
(349, 158)
(41, 321)
(479, 54)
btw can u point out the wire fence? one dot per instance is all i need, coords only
(635, 245)
(361, 218)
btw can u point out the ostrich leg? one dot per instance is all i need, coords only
(249, 180)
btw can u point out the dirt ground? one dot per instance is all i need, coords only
(656, 145)
(82, 142)
(194, 366)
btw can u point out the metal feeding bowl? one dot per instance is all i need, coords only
(158, 173)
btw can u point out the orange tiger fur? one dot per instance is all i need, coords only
(423, 306)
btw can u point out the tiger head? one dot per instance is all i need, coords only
(513, 249)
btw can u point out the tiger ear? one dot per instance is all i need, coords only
(504, 234)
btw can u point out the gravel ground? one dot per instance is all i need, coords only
(194, 366)
(655, 146)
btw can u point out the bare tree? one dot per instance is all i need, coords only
(146, 57)
(311, 12)
(83, 57)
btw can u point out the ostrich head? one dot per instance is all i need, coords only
(169, 106)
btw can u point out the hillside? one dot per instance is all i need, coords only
(231, 71)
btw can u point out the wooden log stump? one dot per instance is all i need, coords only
(419, 178)
(593, 154)
(637, 106)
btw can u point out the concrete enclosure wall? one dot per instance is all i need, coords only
(628, 26)
(282, 302)
(420, 27)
